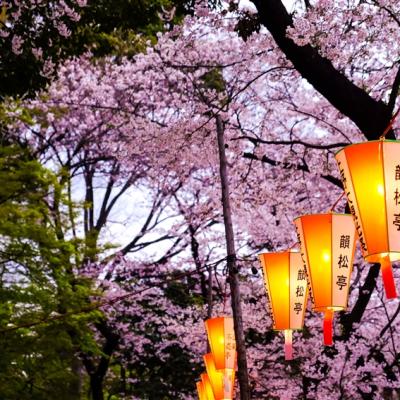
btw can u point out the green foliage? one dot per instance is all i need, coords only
(37, 286)
(214, 80)
(179, 293)
(106, 27)
(167, 376)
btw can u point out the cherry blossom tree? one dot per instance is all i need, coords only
(288, 90)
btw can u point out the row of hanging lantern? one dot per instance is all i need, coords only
(370, 173)
(219, 380)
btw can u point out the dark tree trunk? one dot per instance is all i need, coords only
(371, 116)
(96, 387)
(232, 267)
(99, 371)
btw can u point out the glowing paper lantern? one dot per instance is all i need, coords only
(286, 284)
(207, 387)
(370, 173)
(221, 337)
(201, 391)
(327, 244)
(222, 381)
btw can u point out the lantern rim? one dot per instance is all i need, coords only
(368, 141)
(279, 252)
(321, 214)
(284, 329)
(376, 257)
(219, 316)
(328, 308)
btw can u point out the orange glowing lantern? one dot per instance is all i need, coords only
(327, 244)
(370, 173)
(221, 337)
(222, 381)
(286, 284)
(207, 387)
(201, 391)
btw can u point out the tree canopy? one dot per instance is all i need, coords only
(113, 245)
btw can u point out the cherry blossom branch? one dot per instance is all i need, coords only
(292, 142)
(285, 165)
(390, 321)
(395, 90)
(370, 115)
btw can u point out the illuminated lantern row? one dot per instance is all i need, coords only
(221, 337)
(201, 391)
(205, 379)
(286, 284)
(219, 381)
(327, 243)
(370, 173)
(222, 381)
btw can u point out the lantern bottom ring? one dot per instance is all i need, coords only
(331, 308)
(377, 257)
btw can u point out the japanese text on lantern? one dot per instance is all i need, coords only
(396, 198)
(300, 290)
(302, 274)
(230, 345)
(342, 271)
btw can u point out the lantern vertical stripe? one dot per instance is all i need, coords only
(343, 249)
(280, 301)
(229, 344)
(352, 199)
(296, 319)
(391, 159)
(318, 237)
(216, 340)
(391, 156)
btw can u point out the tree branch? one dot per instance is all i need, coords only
(395, 91)
(371, 116)
(299, 167)
(292, 142)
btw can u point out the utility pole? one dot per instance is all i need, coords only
(243, 377)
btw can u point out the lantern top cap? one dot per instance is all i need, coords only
(321, 214)
(279, 252)
(383, 140)
(219, 318)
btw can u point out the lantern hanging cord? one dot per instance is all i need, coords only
(390, 125)
(225, 296)
(336, 202)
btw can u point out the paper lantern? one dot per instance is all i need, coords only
(207, 387)
(286, 284)
(370, 173)
(222, 381)
(201, 391)
(221, 337)
(327, 243)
